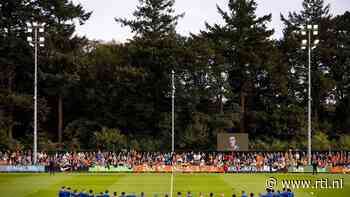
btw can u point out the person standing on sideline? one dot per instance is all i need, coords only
(51, 167)
(314, 166)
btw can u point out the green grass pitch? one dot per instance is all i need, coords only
(44, 185)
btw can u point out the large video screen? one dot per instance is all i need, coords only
(232, 142)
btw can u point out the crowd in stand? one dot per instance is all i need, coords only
(83, 160)
(67, 192)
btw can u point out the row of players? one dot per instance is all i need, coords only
(66, 192)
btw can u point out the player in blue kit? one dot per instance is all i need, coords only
(284, 193)
(83, 193)
(91, 193)
(68, 193)
(106, 194)
(244, 194)
(62, 191)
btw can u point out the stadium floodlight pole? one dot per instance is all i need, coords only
(36, 28)
(172, 130)
(309, 30)
(173, 111)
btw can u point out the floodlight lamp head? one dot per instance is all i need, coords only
(304, 42)
(292, 70)
(316, 42)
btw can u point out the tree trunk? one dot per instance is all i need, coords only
(11, 76)
(315, 103)
(242, 112)
(60, 119)
(221, 105)
(10, 127)
(316, 118)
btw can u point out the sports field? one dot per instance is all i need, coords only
(44, 185)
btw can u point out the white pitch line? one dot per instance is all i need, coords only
(172, 182)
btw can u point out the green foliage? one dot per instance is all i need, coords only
(45, 144)
(232, 76)
(271, 144)
(243, 41)
(81, 131)
(5, 141)
(150, 144)
(320, 141)
(322, 60)
(110, 139)
(343, 143)
(196, 134)
(154, 19)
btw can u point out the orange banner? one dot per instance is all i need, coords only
(165, 168)
(340, 169)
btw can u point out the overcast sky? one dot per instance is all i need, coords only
(101, 25)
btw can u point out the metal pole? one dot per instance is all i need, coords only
(309, 101)
(172, 131)
(173, 112)
(35, 93)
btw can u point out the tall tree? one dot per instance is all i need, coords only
(340, 72)
(244, 42)
(154, 19)
(62, 48)
(153, 49)
(15, 88)
(314, 12)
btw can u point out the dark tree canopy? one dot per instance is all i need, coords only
(153, 19)
(230, 77)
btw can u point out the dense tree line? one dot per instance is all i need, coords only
(230, 77)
